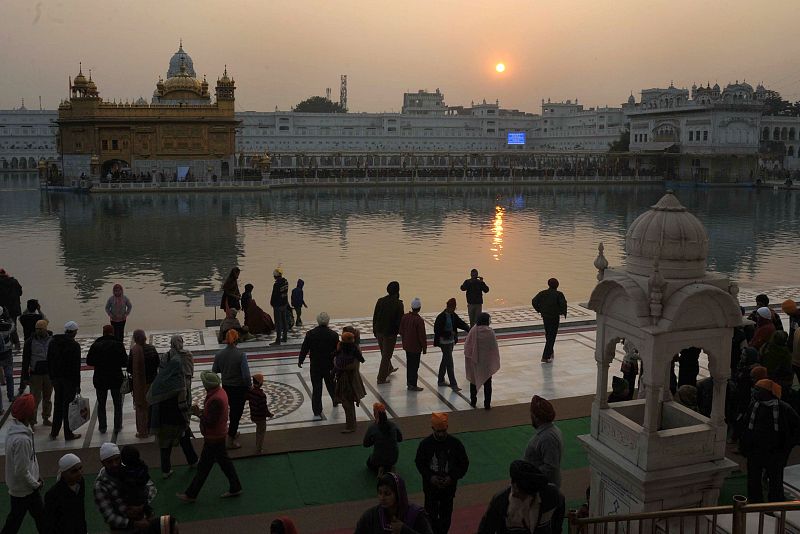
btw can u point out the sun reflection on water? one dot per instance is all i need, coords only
(497, 230)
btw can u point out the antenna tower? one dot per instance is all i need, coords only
(343, 92)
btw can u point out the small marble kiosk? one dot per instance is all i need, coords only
(651, 453)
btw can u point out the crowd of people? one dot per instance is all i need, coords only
(761, 406)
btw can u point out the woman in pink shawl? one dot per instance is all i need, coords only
(481, 360)
(118, 307)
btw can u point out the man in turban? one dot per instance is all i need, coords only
(546, 447)
(551, 305)
(214, 427)
(772, 429)
(22, 468)
(441, 460)
(513, 509)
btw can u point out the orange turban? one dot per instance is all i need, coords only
(24, 407)
(258, 378)
(231, 337)
(348, 338)
(542, 409)
(758, 372)
(439, 421)
(377, 409)
(789, 307)
(769, 385)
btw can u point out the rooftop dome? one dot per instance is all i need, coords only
(175, 63)
(670, 234)
(80, 80)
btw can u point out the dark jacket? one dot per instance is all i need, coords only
(64, 510)
(550, 303)
(27, 354)
(64, 360)
(475, 288)
(108, 357)
(494, 520)
(387, 315)
(383, 438)
(28, 322)
(280, 293)
(321, 343)
(440, 327)
(10, 293)
(763, 440)
(447, 457)
(257, 399)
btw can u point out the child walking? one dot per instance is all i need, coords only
(259, 412)
(298, 302)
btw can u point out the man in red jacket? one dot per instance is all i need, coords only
(214, 426)
(415, 342)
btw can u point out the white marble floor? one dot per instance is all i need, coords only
(289, 389)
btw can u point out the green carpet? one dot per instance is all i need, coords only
(298, 479)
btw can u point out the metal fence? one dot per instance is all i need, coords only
(739, 518)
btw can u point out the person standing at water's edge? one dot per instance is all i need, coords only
(415, 342)
(64, 367)
(34, 369)
(230, 291)
(118, 307)
(10, 294)
(298, 301)
(386, 325)
(475, 287)
(445, 336)
(320, 344)
(280, 302)
(551, 304)
(107, 356)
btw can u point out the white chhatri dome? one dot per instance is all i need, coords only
(671, 235)
(175, 63)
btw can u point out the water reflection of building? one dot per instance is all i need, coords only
(187, 241)
(182, 130)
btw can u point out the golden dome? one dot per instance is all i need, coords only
(80, 80)
(182, 83)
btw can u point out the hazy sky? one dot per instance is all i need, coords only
(280, 52)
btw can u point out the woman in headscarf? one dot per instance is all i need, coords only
(176, 350)
(349, 388)
(231, 322)
(256, 319)
(118, 307)
(530, 505)
(481, 360)
(393, 513)
(169, 411)
(230, 291)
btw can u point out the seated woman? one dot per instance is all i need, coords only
(255, 319)
(232, 323)
(393, 513)
(383, 436)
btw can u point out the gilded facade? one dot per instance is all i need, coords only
(183, 133)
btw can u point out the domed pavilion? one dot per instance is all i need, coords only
(651, 453)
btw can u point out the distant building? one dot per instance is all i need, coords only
(568, 126)
(708, 135)
(182, 132)
(26, 137)
(424, 103)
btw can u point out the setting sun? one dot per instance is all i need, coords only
(500, 67)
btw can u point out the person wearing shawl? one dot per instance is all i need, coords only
(256, 320)
(529, 505)
(231, 322)
(393, 513)
(64, 507)
(186, 358)
(777, 358)
(481, 360)
(765, 327)
(169, 411)
(348, 388)
(230, 291)
(118, 307)
(772, 429)
(282, 525)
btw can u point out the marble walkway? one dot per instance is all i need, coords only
(521, 339)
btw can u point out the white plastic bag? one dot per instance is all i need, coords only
(78, 414)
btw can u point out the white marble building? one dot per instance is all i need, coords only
(568, 126)
(27, 136)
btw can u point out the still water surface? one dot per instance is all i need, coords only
(67, 250)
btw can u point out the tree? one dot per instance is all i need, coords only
(775, 105)
(319, 104)
(622, 144)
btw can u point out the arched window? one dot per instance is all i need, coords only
(14, 163)
(776, 134)
(791, 134)
(31, 163)
(784, 134)
(765, 134)
(790, 151)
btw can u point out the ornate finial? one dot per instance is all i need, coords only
(90, 75)
(600, 262)
(80, 68)
(656, 286)
(180, 44)
(225, 73)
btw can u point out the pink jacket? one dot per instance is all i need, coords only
(481, 354)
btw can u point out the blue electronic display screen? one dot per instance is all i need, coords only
(516, 138)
